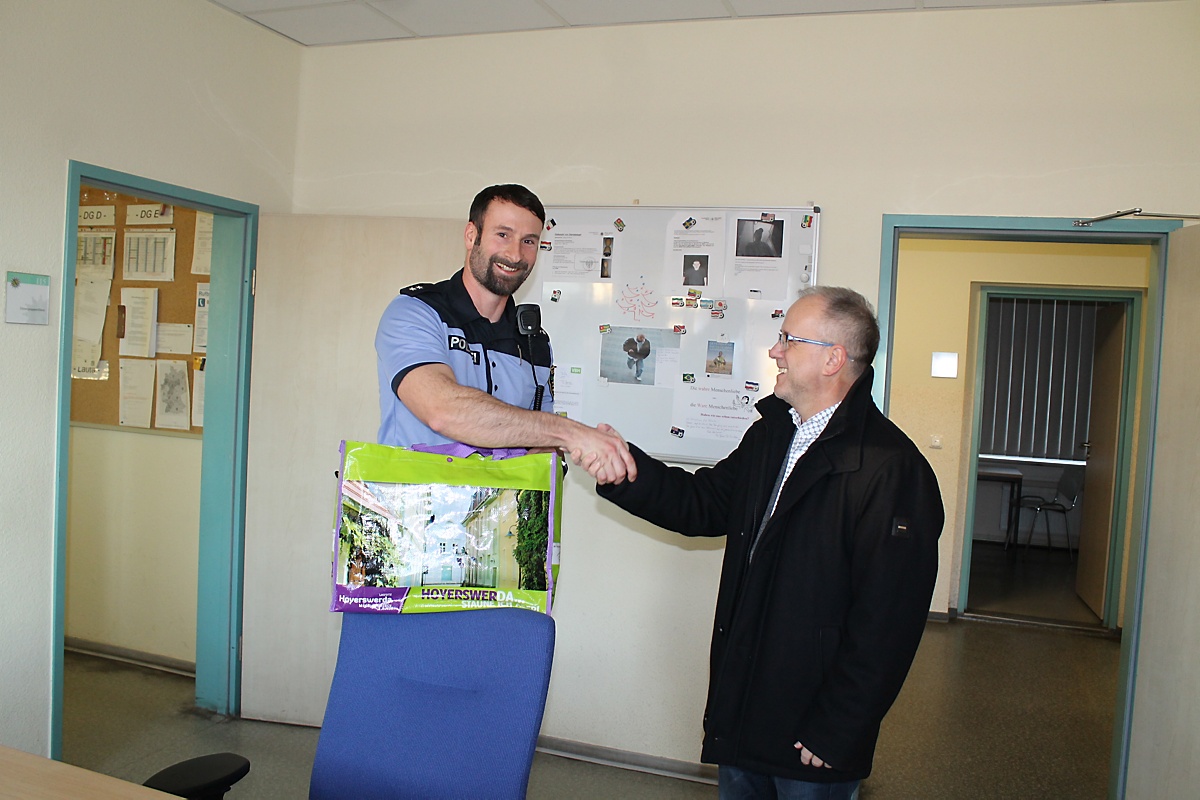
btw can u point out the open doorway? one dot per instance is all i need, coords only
(216, 556)
(1050, 461)
(934, 412)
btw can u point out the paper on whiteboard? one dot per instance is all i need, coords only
(695, 251)
(760, 257)
(713, 412)
(578, 253)
(568, 392)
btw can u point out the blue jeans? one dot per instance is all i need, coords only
(739, 784)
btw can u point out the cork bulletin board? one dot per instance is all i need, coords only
(97, 402)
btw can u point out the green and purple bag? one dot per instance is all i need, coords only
(445, 528)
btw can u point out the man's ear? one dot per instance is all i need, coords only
(837, 359)
(470, 235)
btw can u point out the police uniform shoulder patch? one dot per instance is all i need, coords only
(457, 342)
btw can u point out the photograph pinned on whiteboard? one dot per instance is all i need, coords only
(630, 355)
(759, 239)
(606, 268)
(695, 269)
(719, 362)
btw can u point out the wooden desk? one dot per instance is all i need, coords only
(29, 777)
(1013, 477)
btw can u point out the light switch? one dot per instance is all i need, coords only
(945, 365)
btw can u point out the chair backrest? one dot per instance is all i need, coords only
(439, 705)
(1070, 484)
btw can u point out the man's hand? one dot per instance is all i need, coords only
(808, 757)
(604, 454)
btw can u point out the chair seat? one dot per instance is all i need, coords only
(201, 778)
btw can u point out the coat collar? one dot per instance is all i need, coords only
(838, 449)
(849, 417)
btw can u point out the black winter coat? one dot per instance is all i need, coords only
(815, 633)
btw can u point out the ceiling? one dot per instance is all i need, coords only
(322, 22)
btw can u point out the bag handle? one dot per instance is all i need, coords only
(460, 450)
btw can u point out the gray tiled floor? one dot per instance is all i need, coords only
(1029, 582)
(989, 711)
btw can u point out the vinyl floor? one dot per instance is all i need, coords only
(989, 711)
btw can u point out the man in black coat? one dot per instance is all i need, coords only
(832, 517)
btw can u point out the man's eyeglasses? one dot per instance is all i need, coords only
(787, 339)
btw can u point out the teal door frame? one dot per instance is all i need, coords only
(1118, 231)
(1132, 299)
(223, 463)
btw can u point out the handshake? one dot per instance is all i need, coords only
(603, 452)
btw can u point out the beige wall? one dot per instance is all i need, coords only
(936, 286)
(180, 92)
(133, 528)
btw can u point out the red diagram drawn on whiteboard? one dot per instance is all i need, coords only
(638, 301)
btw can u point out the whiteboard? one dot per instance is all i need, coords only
(706, 287)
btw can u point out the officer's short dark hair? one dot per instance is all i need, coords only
(513, 193)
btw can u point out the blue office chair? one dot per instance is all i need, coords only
(435, 706)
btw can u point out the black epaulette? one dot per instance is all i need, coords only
(417, 288)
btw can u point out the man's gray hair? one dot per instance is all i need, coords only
(853, 318)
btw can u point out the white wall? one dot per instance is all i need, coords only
(133, 533)
(1164, 731)
(181, 92)
(1064, 111)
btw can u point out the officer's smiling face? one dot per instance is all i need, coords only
(503, 253)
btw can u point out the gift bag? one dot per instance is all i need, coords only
(445, 528)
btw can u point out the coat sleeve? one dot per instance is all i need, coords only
(894, 556)
(694, 504)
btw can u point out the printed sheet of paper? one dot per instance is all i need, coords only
(174, 338)
(98, 372)
(141, 321)
(95, 255)
(91, 306)
(137, 392)
(760, 260)
(578, 253)
(713, 411)
(568, 391)
(149, 255)
(202, 250)
(695, 252)
(172, 407)
(85, 359)
(198, 398)
(200, 342)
